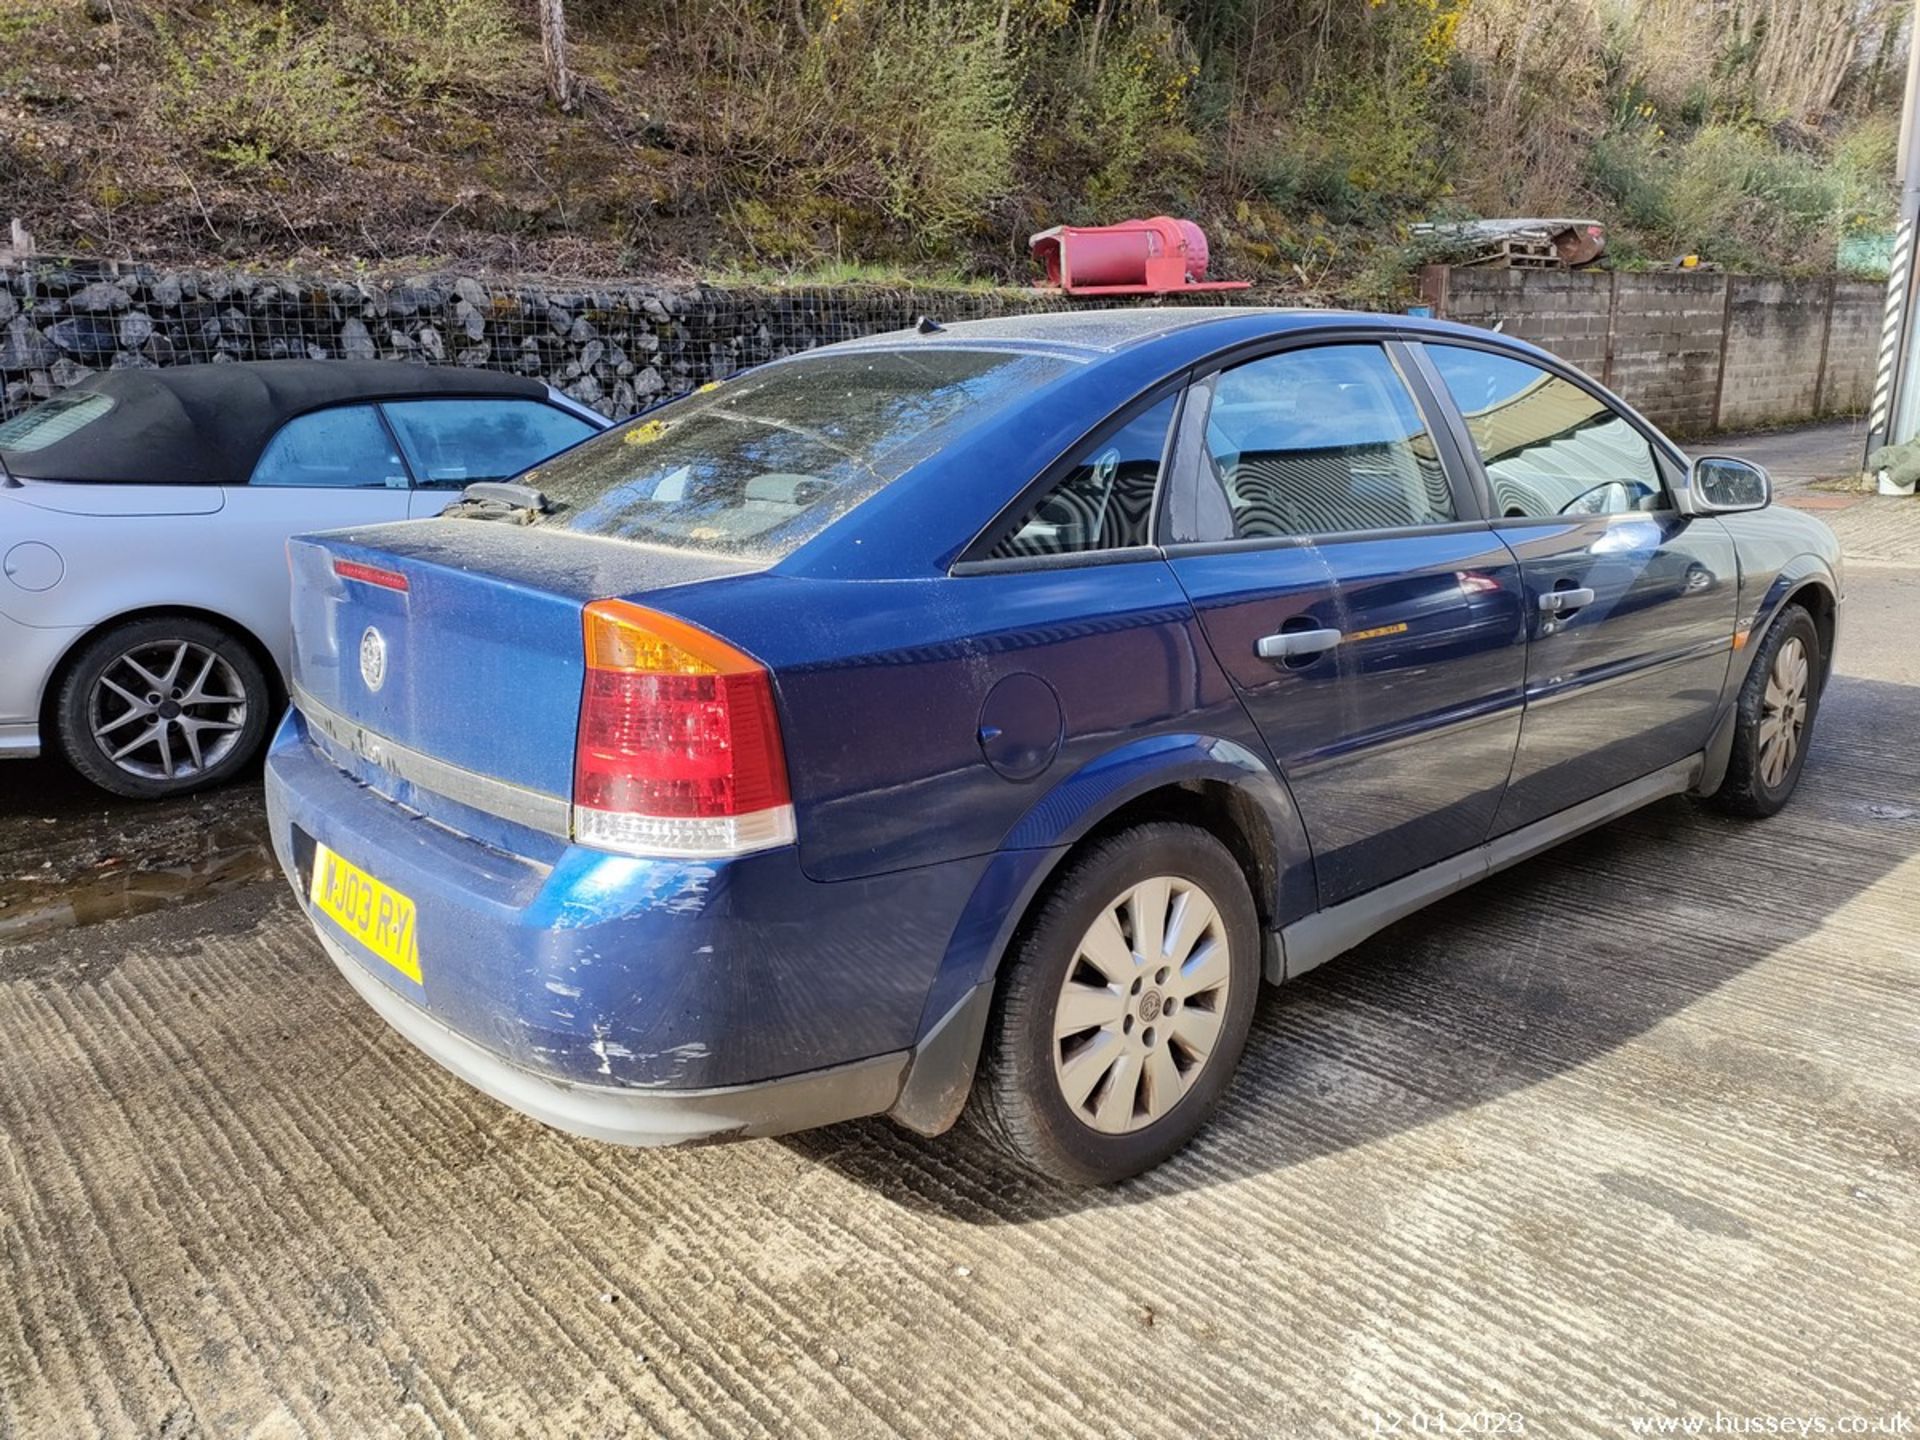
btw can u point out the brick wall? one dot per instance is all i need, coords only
(1694, 352)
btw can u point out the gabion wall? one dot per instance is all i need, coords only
(618, 348)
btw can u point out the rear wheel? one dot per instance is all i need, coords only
(1124, 1007)
(1775, 717)
(161, 706)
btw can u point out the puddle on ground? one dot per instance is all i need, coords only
(45, 901)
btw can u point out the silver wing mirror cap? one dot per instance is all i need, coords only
(1725, 485)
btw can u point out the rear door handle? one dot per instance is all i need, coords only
(1559, 602)
(1295, 644)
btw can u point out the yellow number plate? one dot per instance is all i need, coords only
(376, 915)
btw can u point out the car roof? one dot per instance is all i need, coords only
(1176, 334)
(1092, 330)
(207, 424)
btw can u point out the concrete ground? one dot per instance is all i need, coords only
(1633, 1130)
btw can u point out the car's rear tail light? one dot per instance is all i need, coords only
(679, 751)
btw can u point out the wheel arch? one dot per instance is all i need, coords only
(1216, 785)
(1806, 582)
(257, 648)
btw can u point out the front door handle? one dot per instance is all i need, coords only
(1295, 644)
(1560, 602)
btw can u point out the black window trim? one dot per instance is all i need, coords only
(1434, 411)
(977, 557)
(1666, 457)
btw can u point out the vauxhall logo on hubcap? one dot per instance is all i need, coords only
(373, 658)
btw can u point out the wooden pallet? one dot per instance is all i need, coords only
(1519, 252)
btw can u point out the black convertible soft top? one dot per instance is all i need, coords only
(207, 424)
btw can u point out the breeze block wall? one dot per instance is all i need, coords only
(1695, 352)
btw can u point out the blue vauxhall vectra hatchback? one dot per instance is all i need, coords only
(976, 715)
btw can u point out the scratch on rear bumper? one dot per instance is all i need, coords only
(634, 1116)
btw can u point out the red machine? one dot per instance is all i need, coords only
(1137, 257)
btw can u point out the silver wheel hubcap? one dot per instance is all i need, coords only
(1142, 1005)
(167, 710)
(1783, 712)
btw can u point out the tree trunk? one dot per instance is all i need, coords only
(553, 51)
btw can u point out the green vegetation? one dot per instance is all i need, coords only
(902, 138)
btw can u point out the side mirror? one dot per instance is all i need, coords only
(1722, 485)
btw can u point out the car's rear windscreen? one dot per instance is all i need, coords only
(51, 420)
(766, 461)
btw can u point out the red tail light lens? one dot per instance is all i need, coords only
(679, 750)
(367, 574)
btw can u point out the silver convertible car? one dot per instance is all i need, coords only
(144, 516)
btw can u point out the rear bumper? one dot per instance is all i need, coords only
(627, 1116)
(645, 1001)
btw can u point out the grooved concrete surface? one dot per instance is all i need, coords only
(1632, 1130)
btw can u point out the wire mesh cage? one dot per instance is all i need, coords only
(617, 347)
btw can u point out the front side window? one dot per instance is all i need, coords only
(1324, 441)
(1105, 502)
(347, 448)
(52, 420)
(452, 442)
(1549, 446)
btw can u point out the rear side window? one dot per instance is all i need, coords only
(1106, 501)
(1549, 447)
(342, 449)
(52, 420)
(450, 442)
(769, 459)
(1321, 442)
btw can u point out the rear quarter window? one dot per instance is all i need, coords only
(766, 461)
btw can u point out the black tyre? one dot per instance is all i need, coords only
(161, 706)
(1122, 1008)
(1774, 719)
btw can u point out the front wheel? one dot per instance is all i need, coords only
(1123, 1008)
(161, 706)
(1774, 719)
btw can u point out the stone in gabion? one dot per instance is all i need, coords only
(91, 336)
(469, 319)
(102, 295)
(356, 343)
(25, 348)
(135, 327)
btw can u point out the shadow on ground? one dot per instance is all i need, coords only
(1525, 977)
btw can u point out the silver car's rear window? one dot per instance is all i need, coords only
(764, 462)
(51, 420)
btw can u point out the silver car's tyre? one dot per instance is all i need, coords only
(161, 706)
(1774, 722)
(1123, 1008)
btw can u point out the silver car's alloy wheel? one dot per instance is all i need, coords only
(1783, 711)
(167, 710)
(1142, 1005)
